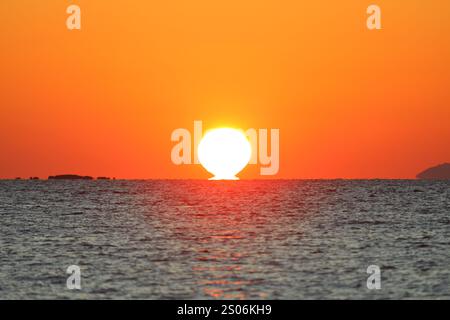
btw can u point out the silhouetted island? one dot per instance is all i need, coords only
(69, 177)
(440, 172)
(103, 178)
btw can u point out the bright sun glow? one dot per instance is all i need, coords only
(224, 152)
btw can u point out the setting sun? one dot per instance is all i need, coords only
(244, 151)
(224, 152)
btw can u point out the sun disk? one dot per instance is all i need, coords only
(224, 152)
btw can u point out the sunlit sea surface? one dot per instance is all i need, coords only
(293, 239)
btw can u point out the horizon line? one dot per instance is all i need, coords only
(35, 178)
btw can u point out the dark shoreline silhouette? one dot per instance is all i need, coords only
(64, 177)
(439, 172)
(77, 177)
(69, 177)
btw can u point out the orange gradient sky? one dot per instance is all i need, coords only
(103, 101)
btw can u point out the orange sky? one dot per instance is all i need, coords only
(349, 102)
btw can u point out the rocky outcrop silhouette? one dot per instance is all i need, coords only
(69, 177)
(440, 172)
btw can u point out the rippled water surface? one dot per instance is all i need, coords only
(211, 239)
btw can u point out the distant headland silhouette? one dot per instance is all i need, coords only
(69, 177)
(75, 177)
(439, 172)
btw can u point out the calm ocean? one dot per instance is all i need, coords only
(188, 239)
